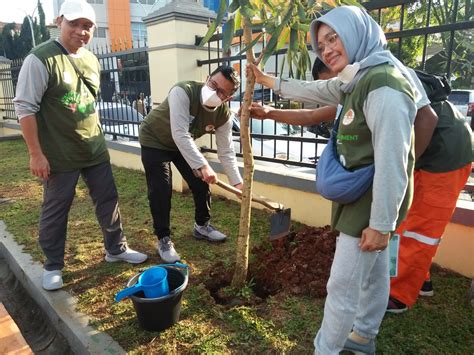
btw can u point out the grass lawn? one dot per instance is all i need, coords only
(443, 324)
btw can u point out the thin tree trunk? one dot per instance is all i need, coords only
(242, 252)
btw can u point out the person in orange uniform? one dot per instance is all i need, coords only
(441, 172)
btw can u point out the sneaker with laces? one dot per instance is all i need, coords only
(427, 289)
(358, 348)
(130, 256)
(208, 232)
(52, 280)
(166, 250)
(395, 306)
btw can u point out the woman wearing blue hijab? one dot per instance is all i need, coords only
(375, 127)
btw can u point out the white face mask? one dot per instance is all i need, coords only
(209, 97)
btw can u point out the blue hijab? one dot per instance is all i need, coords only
(363, 40)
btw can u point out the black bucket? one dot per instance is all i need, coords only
(156, 314)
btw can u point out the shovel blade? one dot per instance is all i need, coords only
(280, 224)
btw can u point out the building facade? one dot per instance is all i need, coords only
(119, 22)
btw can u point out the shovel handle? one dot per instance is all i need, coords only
(259, 199)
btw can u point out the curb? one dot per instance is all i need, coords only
(59, 305)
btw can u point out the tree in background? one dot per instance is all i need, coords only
(24, 43)
(18, 45)
(44, 32)
(442, 12)
(9, 38)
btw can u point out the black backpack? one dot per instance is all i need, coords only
(436, 86)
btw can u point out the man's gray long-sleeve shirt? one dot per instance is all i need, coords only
(180, 120)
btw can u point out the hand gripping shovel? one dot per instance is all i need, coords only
(280, 220)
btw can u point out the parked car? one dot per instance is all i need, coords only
(286, 150)
(119, 120)
(258, 95)
(463, 100)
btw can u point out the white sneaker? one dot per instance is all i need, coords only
(167, 251)
(52, 280)
(208, 232)
(130, 256)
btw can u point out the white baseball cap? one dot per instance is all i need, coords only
(74, 9)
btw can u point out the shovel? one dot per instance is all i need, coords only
(280, 220)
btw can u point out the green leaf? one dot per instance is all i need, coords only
(238, 21)
(301, 27)
(210, 32)
(234, 5)
(269, 5)
(301, 13)
(251, 44)
(283, 38)
(247, 11)
(276, 34)
(263, 14)
(228, 34)
(293, 40)
(282, 65)
(213, 26)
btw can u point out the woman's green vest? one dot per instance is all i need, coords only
(354, 145)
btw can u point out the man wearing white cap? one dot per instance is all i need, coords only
(55, 102)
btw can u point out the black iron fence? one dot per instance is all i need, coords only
(125, 95)
(435, 36)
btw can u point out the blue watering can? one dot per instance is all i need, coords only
(153, 282)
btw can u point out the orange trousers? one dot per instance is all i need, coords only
(434, 201)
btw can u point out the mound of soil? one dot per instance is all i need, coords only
(298, 264)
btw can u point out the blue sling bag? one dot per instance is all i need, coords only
(336, 183)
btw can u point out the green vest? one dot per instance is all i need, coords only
(355, 146)
(155, 130)
(451, 146)
(68, 125)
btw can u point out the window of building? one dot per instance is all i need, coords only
(143, 2)
(139, 32)
(101, 32)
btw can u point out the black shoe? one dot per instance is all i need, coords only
(395, 306)
(427, 289)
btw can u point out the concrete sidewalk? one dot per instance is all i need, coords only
(59, 306)
(12, 341)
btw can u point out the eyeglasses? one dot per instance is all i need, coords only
(220, 92)
(329, 42)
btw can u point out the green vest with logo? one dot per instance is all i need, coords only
(355, 148)
(155, 130)
(68, 125)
